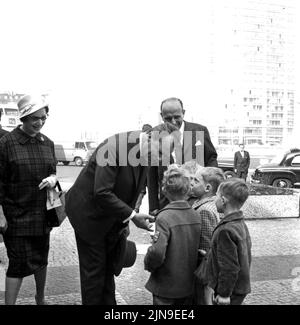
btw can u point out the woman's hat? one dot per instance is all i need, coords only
(124, 254)
(29, 104)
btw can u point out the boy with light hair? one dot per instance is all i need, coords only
(192, 167)
(204, 187)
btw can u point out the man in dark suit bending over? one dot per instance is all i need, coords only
(100, 205)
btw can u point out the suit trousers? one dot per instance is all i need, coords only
(242, 174)
(96, 272)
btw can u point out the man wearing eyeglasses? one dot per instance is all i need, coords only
(193, 143)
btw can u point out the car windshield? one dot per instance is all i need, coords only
(91, 145)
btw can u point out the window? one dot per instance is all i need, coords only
(296, 161)
(91, 145)
(255, 122)
(11, 112)
(274, 123)
(79, 145)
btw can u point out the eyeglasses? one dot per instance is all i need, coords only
(37, 118)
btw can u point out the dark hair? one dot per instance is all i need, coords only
(146, 127)
(235, 190)
(171, 99)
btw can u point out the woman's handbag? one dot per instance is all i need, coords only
(56, 213)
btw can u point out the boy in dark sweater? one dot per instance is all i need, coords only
(229, 259)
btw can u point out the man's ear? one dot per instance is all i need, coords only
(183, 112)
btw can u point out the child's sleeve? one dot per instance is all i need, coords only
(157, 251)
(228, 263)
(208, 224)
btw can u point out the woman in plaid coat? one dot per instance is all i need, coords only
(27, 169)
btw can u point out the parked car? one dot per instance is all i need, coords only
(283, 171)
(228, 168)
(78, 152)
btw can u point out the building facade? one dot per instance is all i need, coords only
(253, 46)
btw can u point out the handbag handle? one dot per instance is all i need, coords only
(58, 186)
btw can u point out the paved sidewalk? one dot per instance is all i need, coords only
(275, 271)
(275, 268)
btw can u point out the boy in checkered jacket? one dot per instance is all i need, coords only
(204, 185)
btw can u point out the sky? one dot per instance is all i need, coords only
(106, 63)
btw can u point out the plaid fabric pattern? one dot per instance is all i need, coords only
(26, 254)
(210, 217)
(24, 162)
(2, 132)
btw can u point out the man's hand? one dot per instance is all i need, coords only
(3, 222)
(222, 300)
(142, 221)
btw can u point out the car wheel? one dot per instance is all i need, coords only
(66, 163)
(78, 161)
(282, 182)
(229, 174)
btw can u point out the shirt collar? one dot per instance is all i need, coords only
(200, 202)
(231, 217)
(181, 205)
(23, 137)
(182, 127)
(182, 131)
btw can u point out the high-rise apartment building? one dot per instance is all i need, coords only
(253, 65)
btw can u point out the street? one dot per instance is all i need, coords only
(275, 270)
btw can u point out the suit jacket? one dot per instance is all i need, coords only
(241, 163)
(194, 143)
(104, 196)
